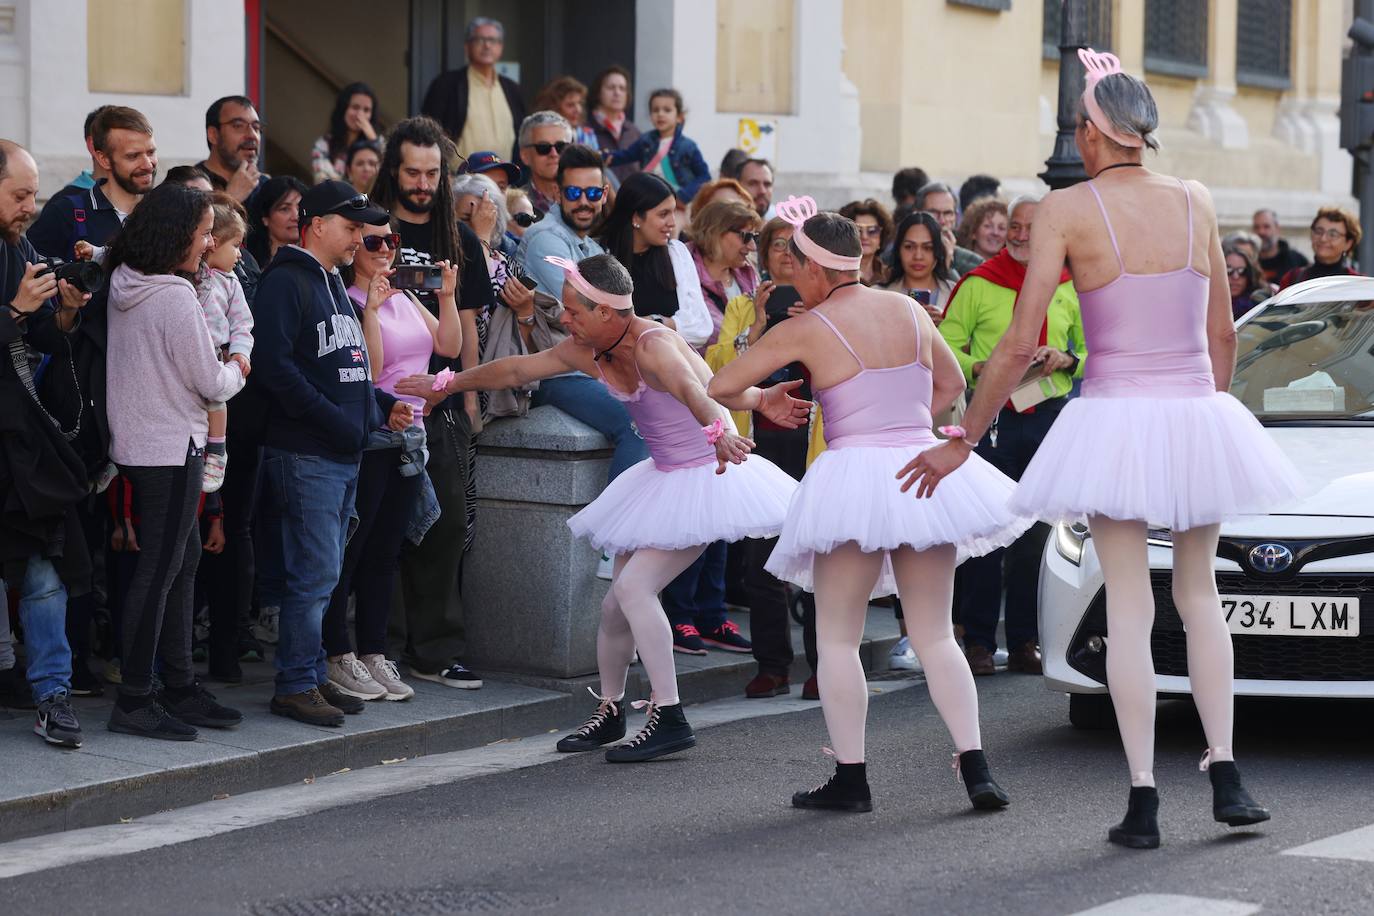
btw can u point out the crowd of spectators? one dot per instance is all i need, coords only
(226, 472)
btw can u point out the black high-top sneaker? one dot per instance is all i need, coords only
(666, 732)
(1231, 804)
(846, 790)
(607, 724)
(1140, 828)
(983, 790)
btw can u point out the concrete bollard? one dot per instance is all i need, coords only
(531, 598)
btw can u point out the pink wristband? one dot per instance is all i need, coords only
(952, 432)
(442, 378)
(715, 432)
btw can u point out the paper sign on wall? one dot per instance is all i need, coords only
(758, 138)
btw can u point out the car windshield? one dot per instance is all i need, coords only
(1312, 361)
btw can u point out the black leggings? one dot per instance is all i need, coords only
(385, 504)
(159, 605)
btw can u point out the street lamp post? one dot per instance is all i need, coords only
(1064, 167)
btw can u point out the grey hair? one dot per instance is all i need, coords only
(934, 187)
(479, 21)
(833, 232)
(604, 272)
(476, 185)
(1244, 237)
(543, 119)
(1129, 105)
(1020, 200)
(1270, 212)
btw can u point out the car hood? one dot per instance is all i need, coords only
(1338, 463)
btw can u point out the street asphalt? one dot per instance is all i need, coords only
(711, 831)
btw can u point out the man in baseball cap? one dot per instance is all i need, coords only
(331, 198)
(494, 167)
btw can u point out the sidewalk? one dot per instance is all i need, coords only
(44, 789)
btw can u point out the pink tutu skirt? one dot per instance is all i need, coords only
(670, 510)
(1175, 463)
(852, 494)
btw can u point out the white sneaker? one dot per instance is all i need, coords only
(265, 630)
(606, 568)
(352, 677)
(903, 657)
(384, 672)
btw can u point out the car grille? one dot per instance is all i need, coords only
(1273, 658)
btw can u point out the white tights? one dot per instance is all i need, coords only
(844, 580)
(631, 616)
(1130, 618)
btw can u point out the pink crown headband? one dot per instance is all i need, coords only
(797, 210)
(1097, 65)
(620, 303)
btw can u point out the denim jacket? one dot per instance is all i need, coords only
(689, 167)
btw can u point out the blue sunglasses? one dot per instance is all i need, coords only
(575, 193)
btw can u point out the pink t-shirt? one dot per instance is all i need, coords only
(407, 344)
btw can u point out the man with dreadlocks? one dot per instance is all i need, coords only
(413, 183)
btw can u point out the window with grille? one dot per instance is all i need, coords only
(1099, 26)
(1176, 37)
(1264, 39)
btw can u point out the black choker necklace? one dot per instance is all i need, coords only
(607, 352)
(840, 287)
(1121, 165)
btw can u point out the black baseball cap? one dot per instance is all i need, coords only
(487, 161)
(337, 197)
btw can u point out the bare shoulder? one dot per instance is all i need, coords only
(1202, 198)
(655, 346)
(574, 354)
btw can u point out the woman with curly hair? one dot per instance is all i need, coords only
(161, 370)
(983, 230)
(875, 234)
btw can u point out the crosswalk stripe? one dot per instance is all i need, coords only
(1171, 905)
(1355, 845)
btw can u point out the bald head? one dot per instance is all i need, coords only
(18, 190)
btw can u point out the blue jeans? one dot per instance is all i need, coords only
(697, 596)
(306, 510)
(584, 398)
(43, 611)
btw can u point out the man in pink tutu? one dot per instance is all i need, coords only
(657, 517)
(1156, 440)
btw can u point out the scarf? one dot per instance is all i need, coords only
(612, 125)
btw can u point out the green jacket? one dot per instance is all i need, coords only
(980, 314)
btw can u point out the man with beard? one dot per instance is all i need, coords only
(124, 166)
(414, 184)
(41, 478)
(233, 133)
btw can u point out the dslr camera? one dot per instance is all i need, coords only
(86, 276)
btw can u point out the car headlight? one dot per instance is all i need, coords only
(1068, 540)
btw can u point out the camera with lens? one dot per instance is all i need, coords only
(86, 276)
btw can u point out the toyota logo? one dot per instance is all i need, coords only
(1271, 558)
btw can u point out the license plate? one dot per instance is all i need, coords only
(1276, 615)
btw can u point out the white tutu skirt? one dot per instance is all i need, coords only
(1174, 463)
(853, 494)
(670, 510)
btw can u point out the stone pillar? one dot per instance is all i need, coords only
(1212, 114)
(531, 598)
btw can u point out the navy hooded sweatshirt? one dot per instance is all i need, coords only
(310, 361)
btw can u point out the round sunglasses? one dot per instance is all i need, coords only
(593, 194)
(374, 243)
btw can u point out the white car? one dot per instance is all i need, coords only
(1293, 582)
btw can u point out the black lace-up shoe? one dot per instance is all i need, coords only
(1140, 828)
(1231, 804)
(340, 700)
(845, 790)
(983, 791)
(196, 706)
(56, 722)
(150, 721)
(607, 724)
(666, 732)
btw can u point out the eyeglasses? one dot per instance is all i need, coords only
(544, 149)
(486, 40)
(871, 231)
(391, 240)
(1235, 271)
(243, 124)
(747, 237)
(779, 244)
(593, 194)
(1334, 235)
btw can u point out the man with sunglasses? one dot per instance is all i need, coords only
(478, 108)
(544, 136)
(233, 132)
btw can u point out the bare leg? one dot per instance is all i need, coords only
(844, 580)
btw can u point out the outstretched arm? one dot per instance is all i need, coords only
(511, 372)
(734, 385)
